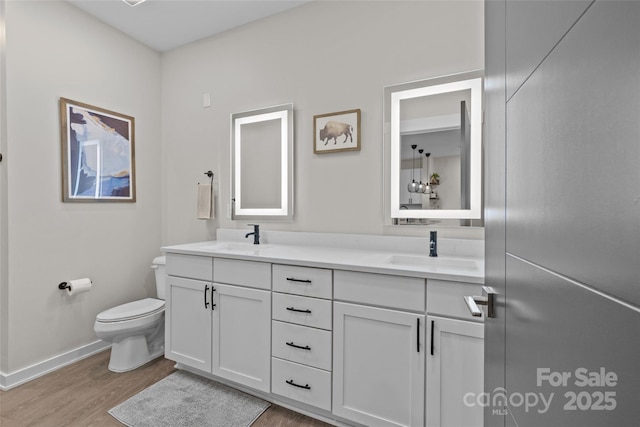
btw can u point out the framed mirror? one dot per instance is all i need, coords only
(433, 139)
(262, 164)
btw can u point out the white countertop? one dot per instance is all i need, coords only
(458, 259)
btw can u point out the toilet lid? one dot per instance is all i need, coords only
(132, 310)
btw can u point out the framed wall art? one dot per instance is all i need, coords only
(98, 161)
(336, 132)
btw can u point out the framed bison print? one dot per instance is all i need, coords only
(336, 132)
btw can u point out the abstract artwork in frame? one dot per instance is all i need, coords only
(336, 132)
(98, 162)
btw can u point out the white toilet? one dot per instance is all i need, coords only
(136, 329)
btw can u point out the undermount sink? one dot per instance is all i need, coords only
(238, 248)
(426, 261)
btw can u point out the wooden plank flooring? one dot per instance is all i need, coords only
(81, 394)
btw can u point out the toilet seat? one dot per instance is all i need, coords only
(131, 310)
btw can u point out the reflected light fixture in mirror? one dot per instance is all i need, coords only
(427, 186)
(413, 185)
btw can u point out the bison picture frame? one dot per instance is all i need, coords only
(334, 132)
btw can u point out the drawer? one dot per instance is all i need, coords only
(308, 346)
(244, 273)
(446, 298)
(311, 282)
(190, 266)
(302, 383)
(302, 310)
(404, 293)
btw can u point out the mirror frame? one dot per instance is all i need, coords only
(396, 93)
(284, 113)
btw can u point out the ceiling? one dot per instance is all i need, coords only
(166, 24)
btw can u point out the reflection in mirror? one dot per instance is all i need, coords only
(262, 163)
(434, 143)
(443, 146)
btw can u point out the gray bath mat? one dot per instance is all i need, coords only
(185, 399)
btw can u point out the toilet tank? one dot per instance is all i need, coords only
(159, 265)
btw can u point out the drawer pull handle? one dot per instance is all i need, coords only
(418, 336)
(291, 344)
(290, 382)
(433, 325)
(293, 279)
(206, 303)
(212, 304)
(298, 311)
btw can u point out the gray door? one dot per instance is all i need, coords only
(562, 135)
(494, 201)
(4, 253)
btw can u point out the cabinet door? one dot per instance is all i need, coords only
(188, 322)
(455, 380)
(379, 362)
(242, 335)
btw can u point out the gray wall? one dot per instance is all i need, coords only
(324, 57)
(54, 50)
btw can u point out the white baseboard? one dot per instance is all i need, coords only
(14, 379)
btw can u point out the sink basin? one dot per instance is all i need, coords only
(237, 248)
(434, 262)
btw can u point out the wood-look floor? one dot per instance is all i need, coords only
(81, 394)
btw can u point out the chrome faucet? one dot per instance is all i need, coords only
(433, 243)
(255, 234)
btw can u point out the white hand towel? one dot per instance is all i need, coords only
(205, 201)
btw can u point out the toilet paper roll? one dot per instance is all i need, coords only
(78, 286)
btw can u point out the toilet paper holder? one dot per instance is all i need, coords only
(64, 285)
(76, 286)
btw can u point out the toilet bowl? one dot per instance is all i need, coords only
(135, 329)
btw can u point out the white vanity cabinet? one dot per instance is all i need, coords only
(301, 334)
(188, 328)
(455, 356)
(379, 353)
(356, 344)
(220, 324)
(241, 335)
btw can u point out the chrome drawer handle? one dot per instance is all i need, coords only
(298, 311)
(291, 344)
(290, 382)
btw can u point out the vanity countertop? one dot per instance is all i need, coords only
(459, 260)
